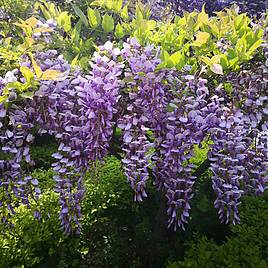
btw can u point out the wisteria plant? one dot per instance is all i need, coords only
(148, 108)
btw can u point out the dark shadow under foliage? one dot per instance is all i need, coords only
(245, 246)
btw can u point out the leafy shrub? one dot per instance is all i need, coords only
(246, 247)
(31, 241)
(118, 232)
(108, 213)
(115, 231)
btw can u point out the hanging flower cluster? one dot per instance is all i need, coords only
(15, 140)
(239, 154)
(78, 111)
(162, 114)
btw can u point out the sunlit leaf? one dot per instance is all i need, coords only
(119, 31)
(108, 23)
(50, 75)
(32, 21)
(201, 39)
(27, 73)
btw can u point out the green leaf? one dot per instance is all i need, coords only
(124, 13)
(45, 12)
(94, 17)
(164, 55)
(64, 20)
(27, 95)
(97, 3)
(108, 23)
(16, 85)
(206, 60)
(255, 46)
(224, 62)
(80, 14)
(119, 31)
(27, 73)
(109, 4)
(3, 98)
(117, 5)
(76, 32)
(177, 60)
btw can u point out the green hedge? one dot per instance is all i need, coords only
(247, 246)
(113, 226)
(116, 232)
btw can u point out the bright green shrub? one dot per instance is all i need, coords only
(41, 243)
(223, 42)
(116, 232)
(31, 241)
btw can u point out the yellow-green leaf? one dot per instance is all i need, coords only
(117, 5)
(98, 3)
(94, 17)
(255, 46)
(43, 30)
(201, 39)
(119, 31)
(124, 13)
(177, 60)
(32, 21)
(50, 75)
(29, 41)
(27, 73)
(37, 68)
(64, 20)
(108, 23)
(164, 55)
(202, 19)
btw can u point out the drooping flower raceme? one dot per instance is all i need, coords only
(239, 153)
(163, 115)
(15, 141)
(79, 111)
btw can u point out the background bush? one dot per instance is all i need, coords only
(246, 246)
(116, 232)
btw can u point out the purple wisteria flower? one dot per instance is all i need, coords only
(163, 115)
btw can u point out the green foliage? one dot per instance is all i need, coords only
(247, 245)
(116, 231)
(216, 45)
(30, 241)
(108, 23)
(14, 9)
(42, 155)
(11, 51)
(33, 243)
